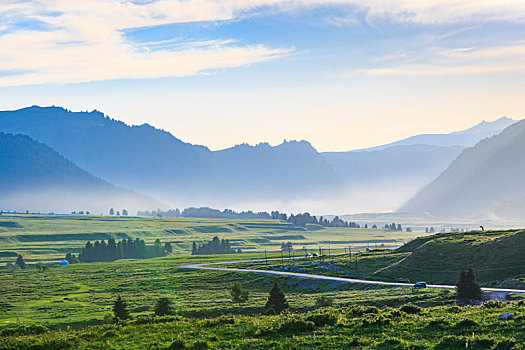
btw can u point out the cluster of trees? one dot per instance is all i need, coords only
(215, 246)
(429, 230)
(124, 249)
(163, 307)
(275, 304)
(80, 212)
(393, 227)
(205, 212)
(112, 212)
(306, 218)
(286, 247)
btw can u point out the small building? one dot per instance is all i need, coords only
(63, 262)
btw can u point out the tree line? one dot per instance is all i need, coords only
(124, 249)
(215, 246)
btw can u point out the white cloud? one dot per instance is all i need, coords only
(85, 41)
(460, 61)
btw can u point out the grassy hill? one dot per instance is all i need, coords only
(496, 256)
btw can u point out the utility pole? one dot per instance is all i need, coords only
(266, 257)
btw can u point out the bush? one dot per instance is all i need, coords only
(224, 319)
(492, 304)
(410, 309)
(439, 323)
(296, 324)
(375, 321)
(322, 319)
(505, 344)
(466, 323)
(163, 307)
(324, 301)
(24, 330)
(200, 344)
(177, 345)
(452, 342)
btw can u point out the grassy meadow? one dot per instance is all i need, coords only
(47, 238)
(70, 307)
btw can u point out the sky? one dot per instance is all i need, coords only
(343, 74)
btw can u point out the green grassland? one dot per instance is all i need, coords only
(71, 302)
(356, 326)
(83, 293)
(47, 238)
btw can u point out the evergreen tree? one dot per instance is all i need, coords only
(467, 287)
(20, 262)
(120, 309)
(238, 294)
(194, 249)
(163, 307)
(168, 248)
(111, 211)
(124, 212)
(276, 301)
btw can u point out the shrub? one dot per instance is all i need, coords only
(24, 330)
(410, 309)
(492, 304)
(224, 319)
(163, 307)
(466, 323)
(375, 321)
(452, 342)
(505, 344)
(296, 324)
(322, 319)
(177, 345)
(200, 344)
(439, 323)
(324, 301)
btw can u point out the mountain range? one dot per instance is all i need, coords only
(484, 179)
(35, 177)
(290, 176)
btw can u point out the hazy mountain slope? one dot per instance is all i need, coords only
(155, 162)
(468, 137)
(35, 177)
(481, 176)
(421, 163)
(295, 164)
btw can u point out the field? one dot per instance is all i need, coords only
(47, 238)
(363, 327)
(70, 307)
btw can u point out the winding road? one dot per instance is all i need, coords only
(213, 266)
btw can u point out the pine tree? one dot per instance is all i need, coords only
(168, 248)
(111, 211)
(238, 294)
(276, 301)
(467, 287)
(163, 307)
(20, 262)
(194, 249)
(120, 309)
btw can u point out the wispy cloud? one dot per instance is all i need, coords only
(59, 41)
(460, 61)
